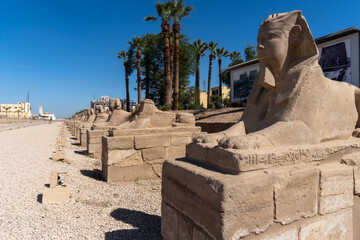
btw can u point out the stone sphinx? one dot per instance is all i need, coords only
(82, 127)
(101, 115)
(99, 129)
(137, 148)
(288, 169)
(117, 117)
(291, 101)
(146, 115)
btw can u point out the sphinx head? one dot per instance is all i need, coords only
(112, 103)
(98, 109)
(283, 39)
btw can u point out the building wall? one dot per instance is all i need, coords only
(225, 91)
(351, 51)
(19, 110)
(203, 99)
(239, 75)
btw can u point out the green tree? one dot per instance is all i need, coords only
(164, 13)
(178, 11)
(123, 55)
(138, 43)
(221, 52)
(250, 52)
(211, 47)
(152, 68)
(235, 58)
(199, 48)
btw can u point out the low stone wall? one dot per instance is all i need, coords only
(139, 153)
(310, 200)
(214, 127)
(94, 141)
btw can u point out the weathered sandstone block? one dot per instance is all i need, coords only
(225, 206)
(152, 141)
(296, 194)
(334, 226)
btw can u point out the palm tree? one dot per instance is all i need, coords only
(148, 45)
(123, 55)
(199, 48)
(171, 44)
(220, 52)
(164, 13)
(138, 43)
(211, 47)
(235, 58)
(178, 11)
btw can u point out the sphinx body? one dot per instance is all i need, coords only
(291, 101)
(117, 116)
(101, 115)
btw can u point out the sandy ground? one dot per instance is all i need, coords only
(97, 210)
(11, 126)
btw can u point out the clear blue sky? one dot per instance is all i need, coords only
(63, 52)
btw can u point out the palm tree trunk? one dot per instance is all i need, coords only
(220, 83)
(138, 56)
(176, 29)
(127, 88)
(172, 65)
(165, 26)
(209, 82)
(197, 80)
(147, 75)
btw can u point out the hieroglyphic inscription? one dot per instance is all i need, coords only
(292, 156)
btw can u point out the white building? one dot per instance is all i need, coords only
(46, 115)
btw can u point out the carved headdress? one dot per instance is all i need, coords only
(301, 47)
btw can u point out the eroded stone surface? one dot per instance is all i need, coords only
(336, 179)
(334, 226)
(296, 194)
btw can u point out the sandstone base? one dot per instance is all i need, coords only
(312, 199)
(58, 156)
(133, 154)
(56, 195)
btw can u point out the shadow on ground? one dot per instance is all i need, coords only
(73, 138)
(76, 144)
(39, 198)
(148, 226)
(94, 174)
(82, 152)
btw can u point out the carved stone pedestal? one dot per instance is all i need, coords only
(303, 192)
(131, 154)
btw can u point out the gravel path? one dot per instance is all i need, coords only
(97, 210)
(12, 126)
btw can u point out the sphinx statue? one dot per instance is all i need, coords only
(291, 101)
(90, 115)
(101, 115)
(117, 117)
(146, 115)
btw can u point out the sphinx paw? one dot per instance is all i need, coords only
(244, 142)
(208, 138)
(238, 142)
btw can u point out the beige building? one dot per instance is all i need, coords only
(225, 91)
(19, 110)
(203, 99)
(214, 91)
